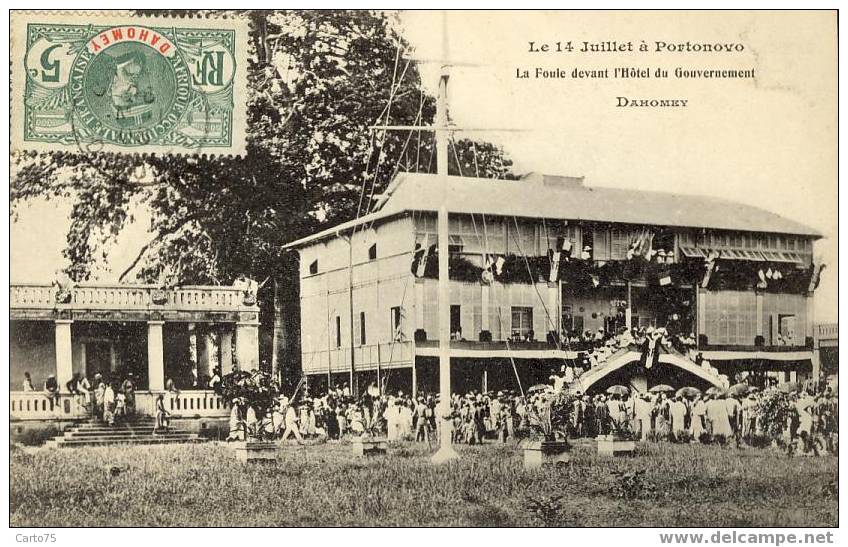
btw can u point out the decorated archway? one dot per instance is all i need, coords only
(627, 369)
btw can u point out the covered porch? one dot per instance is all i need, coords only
(176, 337)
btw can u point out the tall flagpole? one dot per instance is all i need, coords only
(446, 451)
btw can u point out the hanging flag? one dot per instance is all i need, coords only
(710, 268)
(419, 257)
(769, 273)
(762, 283)
(554, 257)
(650, 352)
(815, 277)
(595, 280)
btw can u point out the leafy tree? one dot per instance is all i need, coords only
(316, 81)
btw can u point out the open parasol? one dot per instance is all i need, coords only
(661, 388)
(688, 392)
(538, 387)
(618, 390)
(715, 390)
(738, 390)
(789, 387)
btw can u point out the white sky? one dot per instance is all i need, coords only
(769, 142)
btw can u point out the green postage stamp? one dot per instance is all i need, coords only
(120, 83)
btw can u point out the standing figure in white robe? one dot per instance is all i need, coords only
(251, 421)
(699, 416)
(405, 425)
(677, 409)
(236, 431)
(719, 420)
(392, 417)
(643, 408)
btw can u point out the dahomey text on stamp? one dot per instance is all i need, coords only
(128, 84)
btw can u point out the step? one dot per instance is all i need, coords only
(118, 422)
(126, 437)
(115, 428)
(152, 441)
(137, 440)
(122, 434)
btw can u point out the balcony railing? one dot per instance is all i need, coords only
(128, 297)
(828, 331)
(36, 405)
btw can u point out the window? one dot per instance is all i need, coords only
(522, 323)
(397, 324)
(588, 241)
(372, 252)
(455, 244)
(786, 330)
(313, 267)
(338, 331)
(362, 328)
(790, 243)
(455, 323)
(577, 324)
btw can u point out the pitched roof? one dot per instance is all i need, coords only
(545, 196)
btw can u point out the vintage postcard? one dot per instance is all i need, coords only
(101, 82)
(519, 269)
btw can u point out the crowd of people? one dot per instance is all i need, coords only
(688, 415)
(107, 399)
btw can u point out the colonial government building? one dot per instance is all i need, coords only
(539, 266)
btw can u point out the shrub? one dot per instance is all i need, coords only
(631, 484)
(773, 412)
(545, 509)
(37, 436)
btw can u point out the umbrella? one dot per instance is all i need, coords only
(715, 390)
(538, 387)
(688, 392)
(618, 390)
(738, 390)
(788, 387)
(661, 388)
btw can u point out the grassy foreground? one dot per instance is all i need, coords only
(323, 485)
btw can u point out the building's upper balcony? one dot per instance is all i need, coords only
(121, 302)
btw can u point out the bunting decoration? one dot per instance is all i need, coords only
(815, 278)
(563, 246)
(642, 245)
(419, 257)
(710, 268)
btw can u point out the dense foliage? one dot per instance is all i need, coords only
(773, 411)
(317, 80)
(254, 389)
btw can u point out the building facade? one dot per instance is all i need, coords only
(163, 337)
(537, 262)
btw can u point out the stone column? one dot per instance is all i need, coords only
(64, 352)
(419, 306)
(226, 350)
(553, 314)
(155, 356)
(207, 355)
(484, 307)
(247, 344)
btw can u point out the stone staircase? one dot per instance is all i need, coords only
(138, 431)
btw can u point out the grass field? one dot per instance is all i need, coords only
(323, 485)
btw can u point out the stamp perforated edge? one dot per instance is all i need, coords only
(18, 21)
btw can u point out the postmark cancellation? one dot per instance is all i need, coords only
(130, 84)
